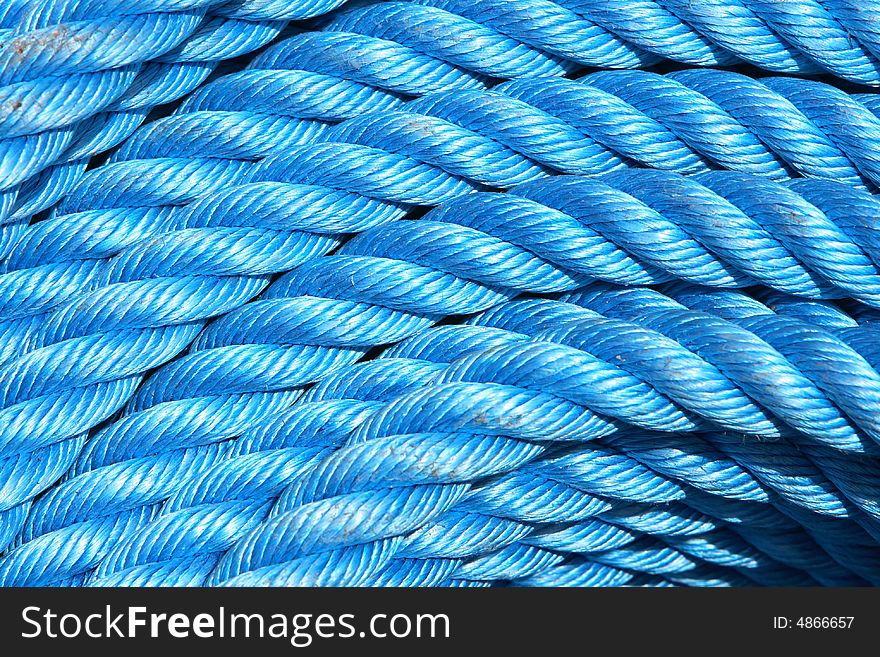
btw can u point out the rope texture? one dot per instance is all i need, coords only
(440, 452)
(384, 287)
(572, 426)
(79, 77)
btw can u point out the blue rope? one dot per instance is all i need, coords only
(298, 427)
(157, 171)
(394, 423)
(109, 398)
(518, 494)
(77, 78)
(182, 402)
(226, 379)
(68, 92)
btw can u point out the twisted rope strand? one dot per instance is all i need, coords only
(806, 36)
(167, 78)
(76, 273)
(227, 173)
(186, 368)
(154, 143)
(134, 226)
(93, 91)
(76, 81)
(357, 130)
(189, 540)
(234, 202)
(155, 273)
(402, 417)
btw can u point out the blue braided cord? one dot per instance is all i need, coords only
(57, 73)
(200, 562)
(337, 288)
(450, 37)
(352, 103)
(75, 329)
(549, 27)
(618, 519)
(762, 130)
(92, 91)
(159, 290)
(98, 182)
(735, 27)
(651, 26)
(852, 476)
(660, 122)
(193, 42)
(275, 9)
(159, 82)
(117, 449)
(102, 180)
(671, 468)
(755, 31)
(469, 569)
(778, 36)
(807, 36)
(821, 497)
(370, 61)
(223, 37)
(664, 315)
(232, 489)
(406, 416)
(859, 19)
(847, 545)
(813, 29)
(855, 479)
(373, 339)
(212, 125)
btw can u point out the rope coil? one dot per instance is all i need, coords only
(183, 400)
(92, 92)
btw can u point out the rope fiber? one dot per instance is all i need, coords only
(440, 293)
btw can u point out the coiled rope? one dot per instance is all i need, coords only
(383, 287)
(78, 78)
(429, 441)
(221, 470)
